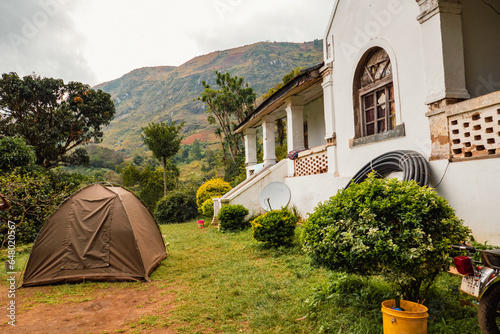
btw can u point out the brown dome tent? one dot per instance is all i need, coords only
(100, 233)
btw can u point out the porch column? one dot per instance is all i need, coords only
(250, 149)
(329, 112)
(295, 123)
(327, 86)
(269, 140)
(444, 64)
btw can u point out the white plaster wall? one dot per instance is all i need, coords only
(391, 25)
(249, 198)
(433, 72)
(472, 188)
(314, 113)
(481, 31)
(309, 191)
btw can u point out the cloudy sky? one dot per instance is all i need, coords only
(93, 41)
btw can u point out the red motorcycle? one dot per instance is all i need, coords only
(481, 279)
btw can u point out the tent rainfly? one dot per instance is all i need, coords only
(100, 233)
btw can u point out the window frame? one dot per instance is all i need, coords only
(383, 84)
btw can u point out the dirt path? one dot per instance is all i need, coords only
(111, 308)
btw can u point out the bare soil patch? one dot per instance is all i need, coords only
(113, 308)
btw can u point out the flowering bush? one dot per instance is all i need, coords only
(213, 188)
(207, 209)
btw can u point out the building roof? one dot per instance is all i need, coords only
(300, 84)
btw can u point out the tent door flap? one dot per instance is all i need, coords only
(88, 233)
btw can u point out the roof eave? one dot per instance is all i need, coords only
(307, 78)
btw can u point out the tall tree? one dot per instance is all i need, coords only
(164, 140)
(232, 102)
(52, 116)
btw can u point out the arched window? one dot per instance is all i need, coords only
(374, 92)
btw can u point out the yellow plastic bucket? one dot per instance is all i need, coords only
(413, 320)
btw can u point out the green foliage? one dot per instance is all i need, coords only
(349, 296)
(177, 207)
(189, 153)
(14, 152)
(79, 157)
(211, 160)
(103, 157)
(164, 140)
(286, 79)
(228, 106)
(236, 172)
(66, 182)
(275, 228)
(450, 310)
(51, 116)
(237, 179)
(131, 175)
(207, 208)
(146, 183)
(337, 304)
(483, 246)
(232, 218)
(34, 194)
(138, 160)
(195, 152)
(213, 188)
(388, 227)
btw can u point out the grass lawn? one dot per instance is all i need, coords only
(228, 283)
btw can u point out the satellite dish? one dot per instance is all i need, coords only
(274, 196)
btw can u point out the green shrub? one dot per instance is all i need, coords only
(232, 218)
(14, 152)
(207, 209)
(275, 228)
(389, 227)
(34, 193)
(177, 207)
(213, 188)
(146, 183)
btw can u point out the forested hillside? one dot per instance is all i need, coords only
(155, 94)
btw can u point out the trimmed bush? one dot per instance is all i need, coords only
(213, 188)
(275, 228)
(232, 218)
(177, 207)
(207, 209)
(389, 227)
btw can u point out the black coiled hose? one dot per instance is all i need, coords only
(411, 163)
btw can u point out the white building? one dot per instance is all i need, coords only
(397, 75)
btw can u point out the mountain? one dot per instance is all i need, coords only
(165, 93)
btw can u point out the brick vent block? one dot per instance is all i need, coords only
(311, 165)
(475, 134)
